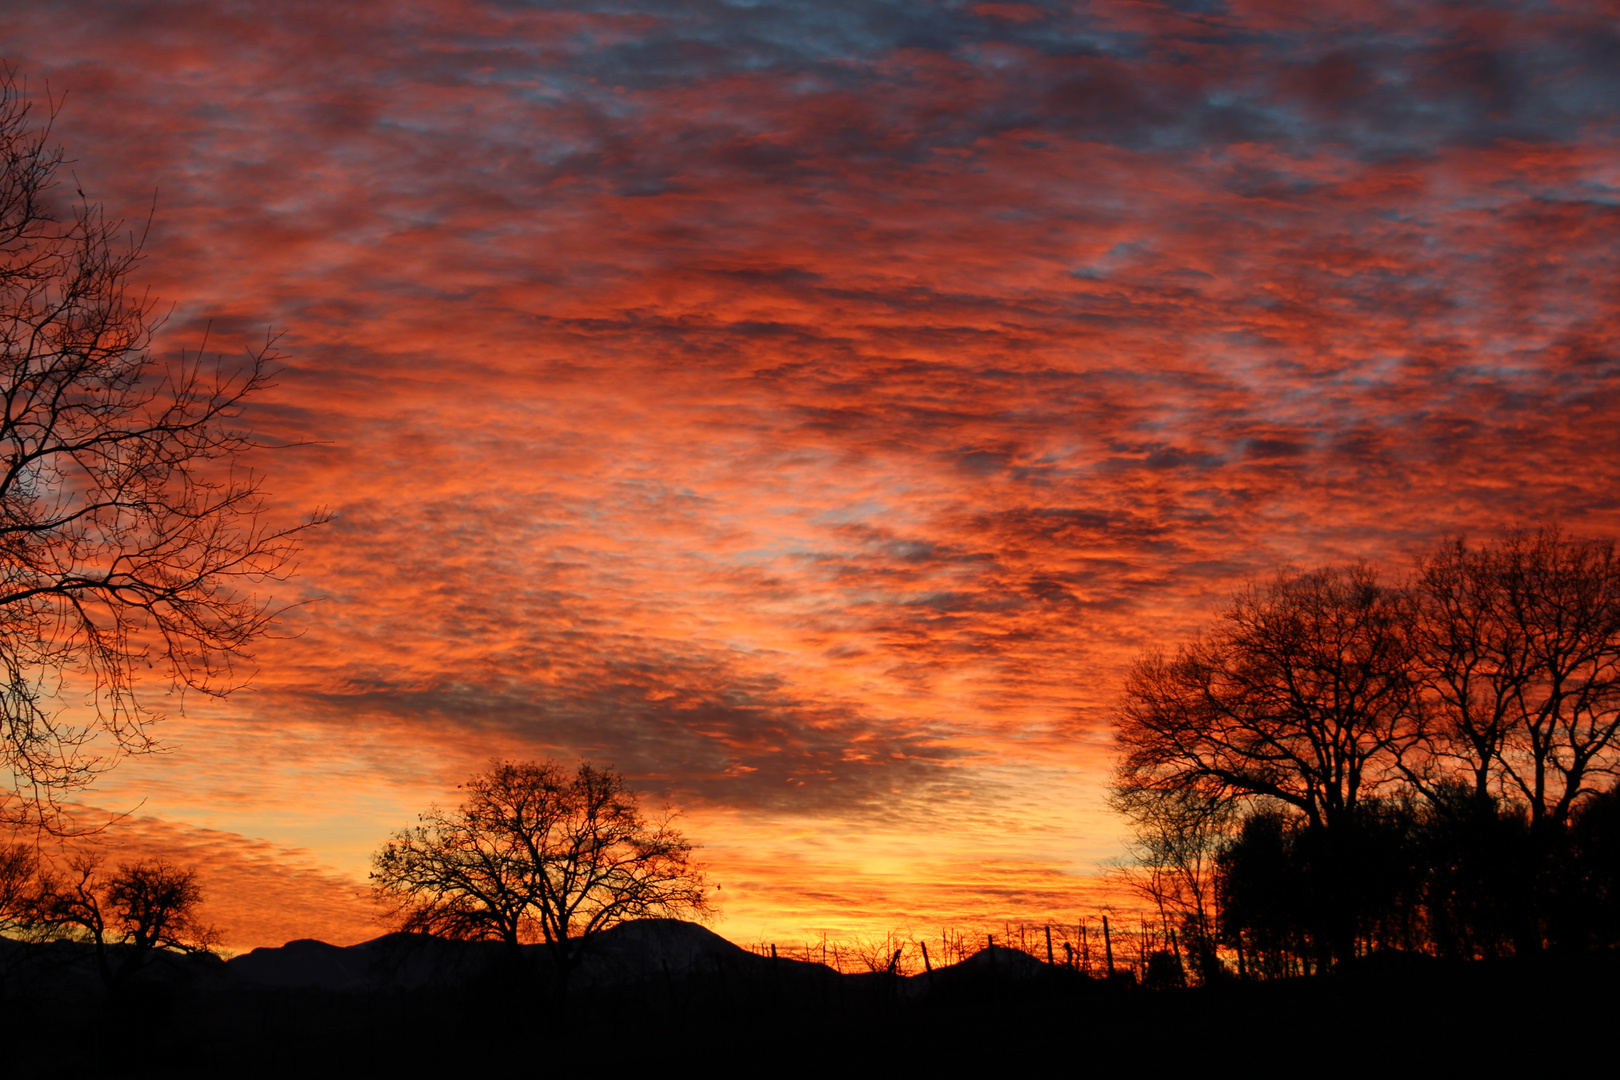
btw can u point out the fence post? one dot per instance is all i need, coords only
(1108, 945)
(1049, 961)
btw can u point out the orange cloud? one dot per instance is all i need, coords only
(811, 416)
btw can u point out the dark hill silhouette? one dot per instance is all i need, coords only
(658, 991)
(631, 951)
(639, 951)
(302, 964)
(390, 962)
(996, 961)
(68, 969)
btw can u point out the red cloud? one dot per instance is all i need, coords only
(812, 425)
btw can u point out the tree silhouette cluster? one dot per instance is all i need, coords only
(127, 915)
(1344, 764)
(538, 853)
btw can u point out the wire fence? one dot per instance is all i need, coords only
(1096, 945)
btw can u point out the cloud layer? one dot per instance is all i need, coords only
(810, 408)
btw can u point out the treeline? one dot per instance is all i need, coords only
(1344, 764)
(127, 915)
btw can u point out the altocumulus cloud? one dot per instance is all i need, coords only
(810, 407)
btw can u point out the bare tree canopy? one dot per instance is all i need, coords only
(1520, 643)
(131, 538)
(138, 910)
(1302, 693)
(538, 853)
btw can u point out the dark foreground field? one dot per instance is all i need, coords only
(410, 1007)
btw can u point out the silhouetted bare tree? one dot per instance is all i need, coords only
(130, 537)
(1472, 662)
(1562, 600)
(1303, 693)
(1520, 642)
(129, 915)
(1177, 838)
(537, 853)
(1520, 648)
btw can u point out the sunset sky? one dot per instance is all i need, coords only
(809, 408)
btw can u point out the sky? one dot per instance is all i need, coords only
(811, 408)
